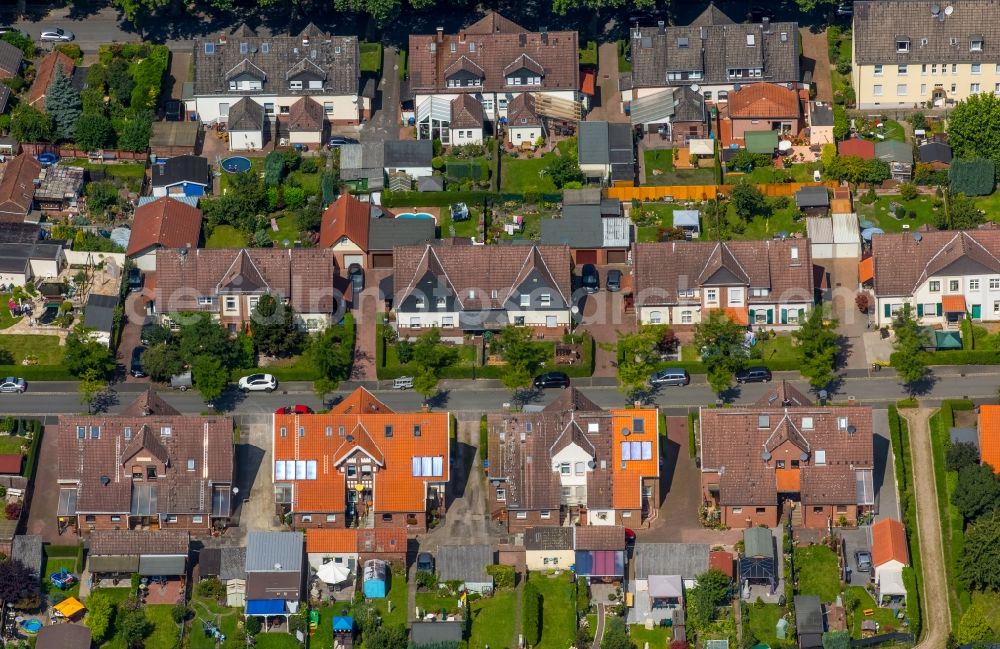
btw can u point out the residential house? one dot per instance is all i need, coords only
(936, 154)
(362, 166)
(275, 71)
(908, 53)
(820, 124)
(154, 553)
(899, 155)
(663, 572)
(21, 263)
(11, 59)
(606, 152)
(494, 60)
(675, 114)
(835, 237)
(274, 569)
(228, 284)
(176, 138)
(410, 157)
(596, 233)
(809, 625)
(549, 548)
(519, 285)
(351, 547)
(17, 189)
(574, 462)
(45, 73)
(467, 564)
(357, 235)
(943, 275)
(757, 283)
(714, 54)
(889, 556)
(148, 466)
(864, 149)
(306, 122)
(758, 461)
(184, 175)
(58, 187)
(989, 436)
(765, 107)
(99, 317)
(524, 125)
(467, 119)
(245, 126)
(600, 552)
(163, 223)
(361, 462)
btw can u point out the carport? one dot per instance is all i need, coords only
(113, 565)
(162, 565)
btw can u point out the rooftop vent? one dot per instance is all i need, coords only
(935, 9)
(766, 456)
(105, 480)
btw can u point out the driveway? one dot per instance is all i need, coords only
(131, 334)
(884, 475)
(45, 491)
(365, 315)
(816, 58)
(384, 123)
(607, 104)
(851, 323)
(854, 541)
(605, 319)
(253, 478)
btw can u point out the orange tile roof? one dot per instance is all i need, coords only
(588, 82)
(763, 100)
(331, 540)
(627, 481)
(989, 436)
(889, 543)
(866, 270)
(381, 539)
(345, 217)
(841, 206)
(365, 419)
(787, 480)
(953, 303)
(864, 149)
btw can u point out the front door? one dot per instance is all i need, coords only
(977, 311)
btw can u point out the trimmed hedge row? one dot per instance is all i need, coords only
(38, 372)
(956, 357)
(692, 434)
(697, 367)
(531, 614)
(900, 438)
(444, 199)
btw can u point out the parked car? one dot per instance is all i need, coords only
(174, 111)
(13, 384)
(258, 383)
(425, 562)
(670, 376)
(590, 278)
(614, 281)
(844, 9)
(552, 380)
(754, 375)
(864, 560)
(181, 381)
(297, 409)
(134, 280)
(357, 277)
(135, 367)
(57, 35)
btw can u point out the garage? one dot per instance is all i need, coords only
(586, 256)
(382, 260)
(617, 256)
(354, 259)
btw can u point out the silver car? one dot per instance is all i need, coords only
(57, 35)
(13, 384)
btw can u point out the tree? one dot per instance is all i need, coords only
(274, 168)
(274, 330)
(974, 127)
(817, 348)
(616, 635)
(100, 615)
(93, 131)
(523, 356)
(712, 591)
(62, 102)
(201, 336)
(135, 131)
(960, 455)
(980, 564)
(135, 627)
(431, 354)
(84, 353)
(531, 614)
(91, 384)
(162, 361)
(253, 626)
(18, 585)
(331, 352)
(637, 357)
(28, 124)
(748, 201)
(387, 636)
(973, 627)
(977, 492)
(210, 376)
(908, 358)
(21, 41)
(101, 195)
(960, 213)
(564, 169)
(720, 341)
(138, 12)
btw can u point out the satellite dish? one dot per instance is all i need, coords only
(804, 457)
(236, 490)
(695, 87)
(935, 9)
(949, 10)
(766, 455)
(350, 438)
(105, 480)
(591, 464)
(626, 432)
(852, 429)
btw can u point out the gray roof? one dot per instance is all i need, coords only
(812, 196)
(266, 551)
(99, 314)
(685, 559)
(334, 60)
(4, 97)
(179, 169)
(27, 548)
(934, 152)
(585, 196)
(430, 184)
(10, 58)
(14, 256)
(548, 538)
(687, 219)
(603, 143)
(820, 114)
(426, 633)
(592, 143)
(808, 614)
(964, 436)
(407, 153)
(246, 115)
(233, 563)
(385, 234)
(363, 161)
(582, 226)
(712, 46)
(933, 39)
(758, 543)
(466, 563)
(894, 151)
(672, 104)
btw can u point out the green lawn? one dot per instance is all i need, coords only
(884, 616)
(683, 177)
(492, 621)
(841, 81)
(225, 618)
(434, 601)
(397, 595)
(784, 220)
(525, 175)
(661, 159)
(371, 57)
(256, 167)
(818, 572)
(287, 230)
(116, 595)
(878, 212)
(277, 640)
(467, 228)
(658, 638)
(164, 635)
(988, 604)
(558, 609)
(11, 444)
(763, 621)
(309, 182)
(46, 349)
(778, 350)
(55, 564)
(226, 236)
(894, 130)
(800, 173)
(989, 204)
(6, 319)
(651, 217)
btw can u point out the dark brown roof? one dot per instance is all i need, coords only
(245, 115)
(735, 443)
(663, 269)
(548, 538)
(274, 585)
(165, 222)
(521, 111)
(10, 463)
(45, 73)
(10, 59)
(149, 403)
(17, 187)
(488, 49)
(304, 276)
(110, 543)
(782, 394)
(306, 115)
(600, 537)
(345, 217)
(466, 112)
(902, 263)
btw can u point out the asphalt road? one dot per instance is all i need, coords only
(468, 396)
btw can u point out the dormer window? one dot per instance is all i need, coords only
(902, 45)
(545, 299)
(976, 44)
(336, 50)
(209, 48)
(420, 303)
(472, 47)
(525, 300)
(127, 433)
(295, 85)
(441, 303)
(751, 40)
(165, 431)
(265, 48)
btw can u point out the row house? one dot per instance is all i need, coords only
(757, 283)
(361, 464)
(574, 463)
(149, 467)
(783, 457)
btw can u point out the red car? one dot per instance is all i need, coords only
(297, 409)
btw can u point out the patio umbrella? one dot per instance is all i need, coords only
(333, 573)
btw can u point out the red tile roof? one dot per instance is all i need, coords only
(989, 436)
(17, 188)
(345, 217)
(11, 464)
(331, 541)
(306, 115)
(722, 561)
(165, 222)
(763, 100)
(864, 149)
(953, 303)
(889, 543)
(45, 73)
(902, 263)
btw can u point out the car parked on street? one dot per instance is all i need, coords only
(670, 376)
(13, 384)
(258, 383)
(56, 35)
(551, 380)
(297, 409)
(754, 375)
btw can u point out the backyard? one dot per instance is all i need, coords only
(6, 319)
(466, 229)
(651, 217)
(397, 597)
(558, 609)
(763, 622)
(55, 564)
(799, 173)
(276, 640)
(884, 616)
(437, 600)
(818, 572)
(681, 177)
(46, 349)
(209, 611)
(655, 637)
(919, 211)
(657, 160)
(782, 219)
(523, 175)
(225, 236)
(486, 614)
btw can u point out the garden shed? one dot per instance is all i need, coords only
(836, 237)
(689, 221)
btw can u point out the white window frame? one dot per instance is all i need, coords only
(687, 317)
(973, 284)
(877, 90)
(902, 69)
(878, 70)
(655, 317)
(976, 68)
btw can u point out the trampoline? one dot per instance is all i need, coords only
(47, 159)
(236, 164)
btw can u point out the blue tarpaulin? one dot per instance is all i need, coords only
(265, 607)
(342, 623)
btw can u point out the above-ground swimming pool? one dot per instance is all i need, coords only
(31, 627)
(236, 164)
(412, 215)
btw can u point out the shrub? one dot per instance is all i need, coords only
(437, 163)
(503, 576)
(531, 614)
(211, 588)
(295, 197)
(252, 626)
(437, 147)
(274, 168)
(179, 613)
(900, 212)
(426, 579)
(309, 166)
(908, 191)
(972, 177)
(844, 67)
(919, 121)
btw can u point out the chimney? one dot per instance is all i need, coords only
(545, 36)
(522, 39)
(461, 36)
(662, 25)
(767, 25)
(440, 34)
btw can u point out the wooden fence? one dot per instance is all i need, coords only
(104, 156)
(703, 192)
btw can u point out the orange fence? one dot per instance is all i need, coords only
(702, 192)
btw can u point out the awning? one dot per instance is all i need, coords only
(144, 500)
(158, 565)
(866, 270)
(702, 147)
(221, 501)
(890, 582)
(656, 108)
(113, 563)
(953, 303)
(864, 487)
(69, 607)
(666, 586)
(787, 480)
(266, 607)
(67, 502)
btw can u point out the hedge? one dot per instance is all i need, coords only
(484, 440)
(967, 339)
(444, 199)
(899, 436)
(972, 177)
(37, 372)
(692, 440)
(531, 614)
(36, 441)
(503, 575)
(956, 357)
